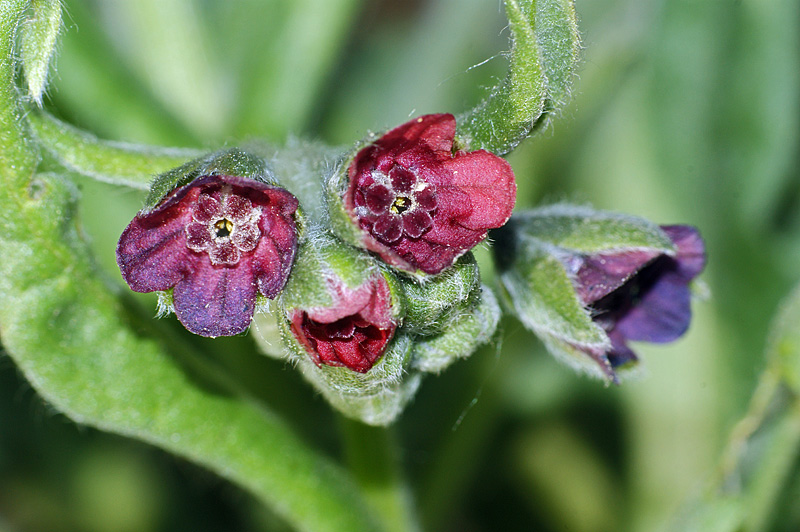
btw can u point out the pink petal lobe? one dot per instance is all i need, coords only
(237, 209)
(207, 209)
(388, 228)
(489, 181)
(378, 198)
(197, 236)
(415, 223)
(245, 237)
(152, 253)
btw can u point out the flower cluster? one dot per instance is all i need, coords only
(379, 281)
(217, 242)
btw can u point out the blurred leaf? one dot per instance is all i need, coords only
(287, 66)
(784, 349)
(38, 38)
(97, 90)
(759, 85)
(170, 49)
(764, 446)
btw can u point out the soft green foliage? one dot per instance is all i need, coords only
(38, 37)
(468, 329)
(434, 303)
(681, 112)
(785, 342)
(543, 56)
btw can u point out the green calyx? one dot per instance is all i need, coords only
(232, 161)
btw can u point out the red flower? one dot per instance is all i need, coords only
(421, 206)
(217, 242)
(354, 331)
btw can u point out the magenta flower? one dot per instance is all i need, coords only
(354, 331)
(217, 242)
(641, 295)
(421, 205)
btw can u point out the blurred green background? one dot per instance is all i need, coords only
(683, 111)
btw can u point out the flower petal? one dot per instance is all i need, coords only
(152, 253)
(378, 198)
(402, 179)
(216, 301)
(435, 131)
(489, 182)
(198, 238)
(223, 252)
(274, 255)
(237, 208)
(245, 236)
(426, 198)
(207, 209)
(388, 228)
(691, 254)
(416, 222)
(662, 312)
(599, 275)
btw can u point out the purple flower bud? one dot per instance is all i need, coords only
(640, 295)
(419, 203)
(217, 242)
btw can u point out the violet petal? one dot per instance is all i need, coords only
(216, 301)
(662, 312)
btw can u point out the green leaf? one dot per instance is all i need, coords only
(467, 331)
(544, 51)
(585, 230)
(119, 163)
(433, 303)
(39, 34)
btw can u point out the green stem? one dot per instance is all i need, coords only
(372, 456)
(16, 157)
(774, 469)
(129, 165)
(765, 393)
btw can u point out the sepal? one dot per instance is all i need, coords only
(586, 282)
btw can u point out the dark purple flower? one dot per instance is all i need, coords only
(354, 331)
(641, 295)
(421, 205)
(216, 242)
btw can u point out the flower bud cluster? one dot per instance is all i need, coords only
(371, 293)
